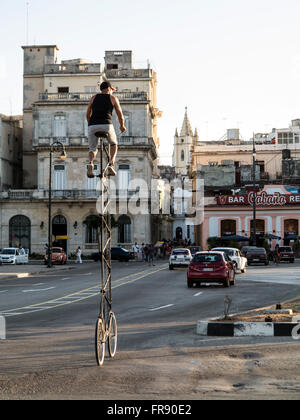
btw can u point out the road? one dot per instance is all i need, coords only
(50, 319)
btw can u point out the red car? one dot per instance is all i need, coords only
(211, 267)
(58, 256)
(286, 253)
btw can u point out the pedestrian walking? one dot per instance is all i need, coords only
(151, 255)
(277, 255)
(78, 256)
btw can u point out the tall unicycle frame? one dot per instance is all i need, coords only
(106, 326)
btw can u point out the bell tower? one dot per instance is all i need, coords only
(183, 146)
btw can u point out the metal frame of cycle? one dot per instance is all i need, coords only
(106, 325)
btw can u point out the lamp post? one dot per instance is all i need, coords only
(254, 191)
(54, 147)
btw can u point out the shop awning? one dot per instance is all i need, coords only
(270, 236)
(237, 238)
(292, 237)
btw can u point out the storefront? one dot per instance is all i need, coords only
(277, 216)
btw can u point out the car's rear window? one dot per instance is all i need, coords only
(257, 251)
(207, 258)
(180, 252)
(57, 250)
(227, 251)
(285, 249)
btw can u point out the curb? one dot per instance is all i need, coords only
(23, 275)
(246, 329)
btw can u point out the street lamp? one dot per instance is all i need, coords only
(54, 147)
(254, 191)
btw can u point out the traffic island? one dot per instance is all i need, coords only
(263, 322)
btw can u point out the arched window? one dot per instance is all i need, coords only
(20, 232)
(124, 229)
(228, 227)
(92, 224)
(182, 155)
(291, 227)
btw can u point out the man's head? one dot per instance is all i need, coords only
(106, 86)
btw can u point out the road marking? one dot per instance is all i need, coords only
(77, 296)
(198, 294)
(38, 290)
(67, 278)
(4, 291)
(161, 307)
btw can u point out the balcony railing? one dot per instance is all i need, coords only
(73, 68)
(86, 97)
(128, 73)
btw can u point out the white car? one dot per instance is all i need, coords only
(14, 256)
(235, 255)
(181, 257)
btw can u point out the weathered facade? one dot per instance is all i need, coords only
(56, 96)
(10, 152)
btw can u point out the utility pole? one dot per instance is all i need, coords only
(254, 191)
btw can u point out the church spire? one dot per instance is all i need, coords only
(186, 129)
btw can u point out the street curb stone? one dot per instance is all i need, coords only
(245, 329)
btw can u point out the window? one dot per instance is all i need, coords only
(228, 227)
(63, 89)
(92, 224)
(123, 177)
(93, 182)
(59, 178)
(124, 229)
(60, 126)
(182, 155)
(127, 125)
(260, 227)
(90, 89)
(20, 232)
(112, 66)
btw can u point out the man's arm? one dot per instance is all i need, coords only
(89, 110)
(117, 106)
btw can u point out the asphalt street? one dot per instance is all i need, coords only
(50, 320)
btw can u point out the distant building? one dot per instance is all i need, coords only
(10, 152)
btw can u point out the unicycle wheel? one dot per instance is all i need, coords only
(100, 342)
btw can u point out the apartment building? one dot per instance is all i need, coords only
(56, 95)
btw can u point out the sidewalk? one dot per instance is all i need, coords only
(21, 271)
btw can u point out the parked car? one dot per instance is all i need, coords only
(235, 255)
(245, 249)
(58, 256)
(257, 255)
(14, 256)
(117, 253)
(180, 257)
(211, 267)
(195, 249)
(286, 253)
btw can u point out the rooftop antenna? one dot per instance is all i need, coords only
(27, 22)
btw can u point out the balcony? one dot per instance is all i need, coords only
(86, 97)
(73, 68)
(135, 141)
(129, 74)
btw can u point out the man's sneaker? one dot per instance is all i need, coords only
(90, 171)
(111, 170)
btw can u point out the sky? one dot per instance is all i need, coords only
(232, 63)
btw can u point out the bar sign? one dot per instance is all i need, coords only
(2, 328)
